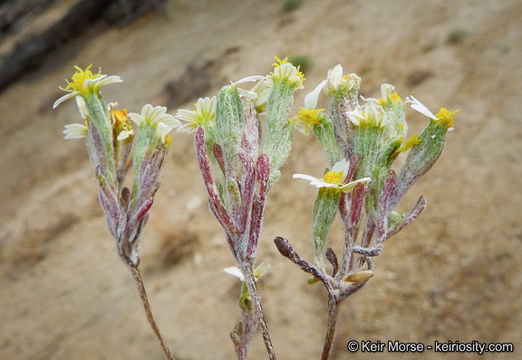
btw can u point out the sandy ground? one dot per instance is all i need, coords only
(452, 275)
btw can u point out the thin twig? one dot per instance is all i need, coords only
(146, 306)
(254, 293)
(333, 312)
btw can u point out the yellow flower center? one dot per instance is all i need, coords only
(279, 62)
(309, 116)
(446, 117)
(333, 177)
(394, 98)
(204, 116)
(120, 116)
(285, 61)
(78, 79)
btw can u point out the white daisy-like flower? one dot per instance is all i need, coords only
(251, 94)
(262, 89)
(191, 119)
(285, 71)
(369, 114)
(309, 115)
(334, 179)
(156, 116)
(444, 115)
(336, 80)
(75, 131)
(84, 82)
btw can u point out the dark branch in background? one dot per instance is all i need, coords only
(30, 54)
(14, 14)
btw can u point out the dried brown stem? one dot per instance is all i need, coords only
(146, 306)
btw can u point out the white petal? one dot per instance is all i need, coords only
(355, 117)
(352, 184)
(234, 271)
(75, 131)
(305, 177)
(125, 134)
(65, 98)
(261, 270)
(310, 100)
(187, 115)
(247, 93)
(136, 118)
(102, 81)
(342, 165)
(386, 90)
(162, 130)
(418, 106)
(249, 79)
(82, 108)
(187, 128)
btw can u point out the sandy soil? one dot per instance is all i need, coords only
(452, 275)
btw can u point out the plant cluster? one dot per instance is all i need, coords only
(242, 138)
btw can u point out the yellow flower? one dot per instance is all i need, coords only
(120, 123)
(205, 111)
(369, 114)
(309, 115)
(286, 72)
(444, 116)
(84, 82)
(387, 95)
(334, 179)
(335, 80)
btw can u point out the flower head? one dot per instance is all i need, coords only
(336, 81)
(156, 117)
(444, 115)
(204, 113)
(388, 95)
(84, 82)
(284, 71)
(259, 271)
(334, 179)
(309, 115)
(120, 123)
(369, 114)
(262, 89)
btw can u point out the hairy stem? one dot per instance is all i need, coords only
(146, 306)
(242, 334)
(256, 299)
(333, 312)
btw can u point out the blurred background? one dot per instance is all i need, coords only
(454, 274)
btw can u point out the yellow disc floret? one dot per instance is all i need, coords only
(393, 96)
(333, 177)
(309, 116)
(446, 117)
(78, 79)
(279, 62)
